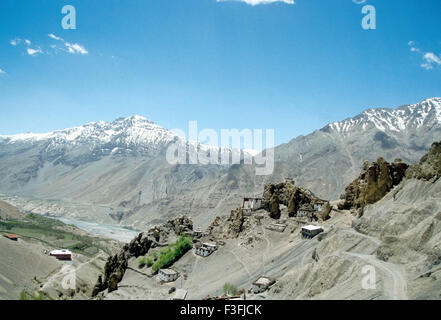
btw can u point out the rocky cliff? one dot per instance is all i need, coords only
(117, 264)
(294, 198)
(224, 227)
(429, 166)
(374, 182)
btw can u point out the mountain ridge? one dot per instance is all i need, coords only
(137, 186)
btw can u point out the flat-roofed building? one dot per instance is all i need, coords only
(180, 294)
(168, 275)
(204, 249)
(262, 284)
(305, 212)
(277, 227)
(311, 231)
(62, 254)
(197, 232)
(318, 205)
(11, 236)
(251, 204)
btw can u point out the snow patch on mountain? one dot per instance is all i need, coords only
(397, 120)
(134, 134)
(135, 130)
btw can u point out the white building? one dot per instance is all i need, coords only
(197, 232)
(304, 212)
(262, 284)
(277, 227)
(168, 275)
(251, 204)
(311, 231)
(318, 206)
(62, 254)
(205, 249)
(180, 294)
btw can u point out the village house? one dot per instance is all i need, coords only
(262, 284)
(62, 254)
(204, 249)
(305, 211)
(180, 294)
(318, 206)
(251, 204)
(197, 232)
(168, 275)
(277, 227)
(11, 236)
(310, 231)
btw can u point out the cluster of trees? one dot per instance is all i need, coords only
(145, 261)
(174, 251)
(229, 289)
(25, 296)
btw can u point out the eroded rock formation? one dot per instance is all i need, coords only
(227, 227)
(375, 181)
(116, 265)
(429, 166)
(294, 198)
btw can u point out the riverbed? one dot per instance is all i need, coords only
(105, 230)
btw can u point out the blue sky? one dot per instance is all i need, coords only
(291, 67)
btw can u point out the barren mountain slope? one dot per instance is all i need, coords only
(26, 266)
(396, 240)
(119, 170)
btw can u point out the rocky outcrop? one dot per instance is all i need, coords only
(180, 225)
(138, 246)
(116, 265)
(227, 227)
(429, 166)
(294, 198)
(375, 181)
(283, 191)
(274, 206)
(325, 212)
(177, 226)
(235, 222)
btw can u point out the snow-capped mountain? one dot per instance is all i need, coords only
(119, 168)
(425, 113)
(132, 134)
(135, 135)
(328, 159)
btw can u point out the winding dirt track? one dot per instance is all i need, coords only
(67, 273)
(395, 289)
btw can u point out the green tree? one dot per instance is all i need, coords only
(230, 289)
(141, 262)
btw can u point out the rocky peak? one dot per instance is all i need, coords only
(224, 227)
(429, 166)
(117, 264)
(295, 198)
(374, 182)
(427, 112)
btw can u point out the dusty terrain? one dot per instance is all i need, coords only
(26, 269)
(398, 238)
(116, 172)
